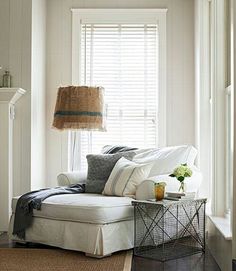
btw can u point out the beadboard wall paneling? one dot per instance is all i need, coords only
(180, 69)
(4, 37)
(38, 84)
(20, 68)
(23, 52)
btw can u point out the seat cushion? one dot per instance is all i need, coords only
(90, 208)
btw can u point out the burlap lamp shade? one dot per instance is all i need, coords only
(80, 108)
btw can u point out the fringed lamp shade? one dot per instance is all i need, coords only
(80, 108)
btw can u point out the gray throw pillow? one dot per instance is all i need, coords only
(99, 169)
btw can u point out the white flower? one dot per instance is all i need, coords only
(181, 172)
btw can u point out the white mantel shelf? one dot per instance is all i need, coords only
(11, 95)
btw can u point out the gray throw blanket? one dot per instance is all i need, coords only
(110, 149)
(33, 200)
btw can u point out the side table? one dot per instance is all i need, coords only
(165, 230)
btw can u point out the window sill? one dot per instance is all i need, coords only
(223, 226)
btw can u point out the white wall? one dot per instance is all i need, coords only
(19, 64)
(4, 37)
(22, 51)
(38, 79)
(220, 248)
(180, 69)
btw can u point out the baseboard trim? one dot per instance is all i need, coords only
(234, 265)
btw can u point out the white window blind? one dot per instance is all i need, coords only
(123, 58)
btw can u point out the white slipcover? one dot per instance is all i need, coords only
(98, 224)
(94, 239)
(86, 208)
(95, 224)
(165, 160)
(67, 178)
(146, 189)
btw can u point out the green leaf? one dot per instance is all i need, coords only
(172, 175)
(181, 178)
(184, 164)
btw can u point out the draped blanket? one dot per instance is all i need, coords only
(33, 200)
(79, 107)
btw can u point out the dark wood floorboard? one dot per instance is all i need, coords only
(197, 262)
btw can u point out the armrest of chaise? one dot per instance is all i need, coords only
(68, 178)
(146, 189)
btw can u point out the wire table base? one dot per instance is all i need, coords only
(169, 229)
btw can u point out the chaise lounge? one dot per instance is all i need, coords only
(98, 224)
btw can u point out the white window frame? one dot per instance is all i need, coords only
(229, 150)
(233, 78)
(211, 106)
(219, 96)
(126, 16)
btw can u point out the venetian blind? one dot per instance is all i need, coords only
(123, 58)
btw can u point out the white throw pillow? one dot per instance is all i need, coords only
(125, 177)
(165, 160)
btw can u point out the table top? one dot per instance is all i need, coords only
(166, 202)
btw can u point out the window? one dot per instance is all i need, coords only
(214, 108)
(123, 57)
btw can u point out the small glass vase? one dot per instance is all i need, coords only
(159, 191)
(182, 187)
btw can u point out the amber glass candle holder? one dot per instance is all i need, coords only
(159, 189)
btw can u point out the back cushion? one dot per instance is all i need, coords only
(99, 169)
(166, 159)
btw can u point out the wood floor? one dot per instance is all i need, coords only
(197, 262)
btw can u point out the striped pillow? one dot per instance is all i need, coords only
(125, 177)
